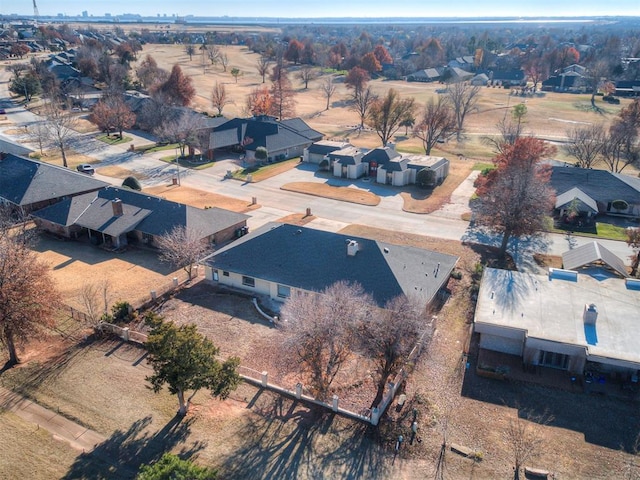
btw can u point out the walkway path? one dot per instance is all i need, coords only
(77, 436)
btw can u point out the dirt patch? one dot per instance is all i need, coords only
(344, 194)
(418, 200)
(116, 171)
(547, 260)
(200, 198)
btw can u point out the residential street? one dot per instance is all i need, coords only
(276, 203)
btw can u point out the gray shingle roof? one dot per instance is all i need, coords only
(601, 185)
(590, 253)
(380, 155)
(576, 194)
(24, 181)
(146, 213)
(312, 260)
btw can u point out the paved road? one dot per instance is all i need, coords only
(332, 214)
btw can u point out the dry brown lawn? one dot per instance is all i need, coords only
(200, 198)
(344, 194)
(299, 219)
(548, 116)
(418, 200)
(117, 171)
(131, 274)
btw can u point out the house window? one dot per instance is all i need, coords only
(225, 274)
(284, 291)
(147, 238)
(248, 281)
(554, 360)
(215, 276)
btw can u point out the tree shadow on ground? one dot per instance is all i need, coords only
(288, 440)
(122, 454)
(609, 422)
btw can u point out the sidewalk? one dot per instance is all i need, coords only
(77, 436)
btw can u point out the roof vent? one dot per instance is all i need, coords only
(352, 248)
(385, 250)
(590, 314)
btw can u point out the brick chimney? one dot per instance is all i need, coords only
(116, 203)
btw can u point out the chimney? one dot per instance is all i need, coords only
(352, 248)
(590, 314)
(116, 203)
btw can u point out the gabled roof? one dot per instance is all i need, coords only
(24, 181)
(380, 155)
(591, 253)
(573, 194)
(264, 131)
(395, 165)
(601, 185)
(312, 260)
(146, 213)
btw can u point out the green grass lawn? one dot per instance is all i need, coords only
(259, 173)
(604, 230)
(113, 139)
(188, 163)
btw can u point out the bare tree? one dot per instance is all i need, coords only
(510, 130)
(524, 438)
(362, 102)
(621, 148)
(182, 130)
(386, 114)
(150, 74)
(437, 122)
(306, 74)
(219, 97)
(213, 53)
(183, 247)
(28, 297)
(282, 93)
(190, 49)
(585, 143)
(262, 65)
(39, 133)
(328, 88)
(224, 61)
(389, 335)
(320, 331)
(60, 124)
(463, 98)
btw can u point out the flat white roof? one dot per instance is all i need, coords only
(552, 309)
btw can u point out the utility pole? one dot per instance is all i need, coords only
(36, 14)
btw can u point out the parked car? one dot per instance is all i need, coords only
(86, 168)
(3, 111)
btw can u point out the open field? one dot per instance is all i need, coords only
(549, 116)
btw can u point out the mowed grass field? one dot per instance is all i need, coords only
(548, 116)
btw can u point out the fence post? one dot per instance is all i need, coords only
(153, 295)
(175, 281)
(125, 334)
(375, 416)
(298, 390)
(334, 406)
(265, 378)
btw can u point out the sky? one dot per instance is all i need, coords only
(330, 8)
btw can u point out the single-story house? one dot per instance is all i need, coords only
(427, 75)
(566, 320)
(599, 186)
(318, 151)
(31, 185)
(480, 80)
(571, 82)
(279, 258)
(283, 139)
(118, 216)
(576, 202)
